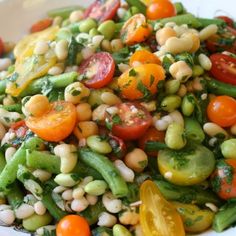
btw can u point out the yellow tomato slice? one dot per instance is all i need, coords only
(158, 217)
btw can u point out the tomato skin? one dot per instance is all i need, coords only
(102, 67)
(221, 110)
(159, 9)
(224, 179)
(131, 126)
(227, 20)
(223, 68)
(55, 125)
(41, 25)
(135, 30)
(1, 47)
(118, 147)
(152, 134)
(101, 11)
(73, 225)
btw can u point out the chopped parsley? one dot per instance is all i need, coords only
(143, 89)
(132, 72)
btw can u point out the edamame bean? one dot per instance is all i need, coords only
(187, 106)
(120, 230)
(107, 28)
(93, 32)
(174, 137)
(197, 70)
(96, 187)
(97, 144)
(170, 103)
(86, 25)
(172, 86)
(228, 148)
(67, 180)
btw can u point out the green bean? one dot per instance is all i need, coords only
(63, 12)
(105, 167)
(220, 88)
(92, 212)
(2, 161)
(179, 8)
(15, 195)
(107, 29)
(8, 175)
(34, 143)
(137, 3)
(57, 81)
(190, 194)
(225, 217)
(205, 22)
(12, 108)
(188, 19)
(52, 163)
(35, 221)
(193, 130)
(151, 146)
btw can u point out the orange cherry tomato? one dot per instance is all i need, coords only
(222, 111)
(55, 125)
(144, 57)
(158, 216)
(160, 9)
(152, 134)
(73, 225)
(135, 30)
(140, 82)
(224, 179)
(41, 25)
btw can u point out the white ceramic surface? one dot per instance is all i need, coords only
(16, 16)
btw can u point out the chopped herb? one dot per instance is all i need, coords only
(122, 56)
(47, 87)
(132, 72)
(166, 63)
(75, 176)
(187, 57)
(143, 164)
(59, 108)
(152, 79)
(116, 120)
(13, 77)
(143, 89)
(75, 92)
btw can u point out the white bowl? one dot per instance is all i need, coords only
(16, 17)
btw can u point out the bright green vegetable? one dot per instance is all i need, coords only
(97, 144)
(193, 130)
(12, 108)
(188, 105)
(105, 167)
(138, 4)
(172, 86)
(170, 103)
(35, 221)
(3, 84)
(86, 25)
(102, 231)
(225, 217)
(107, 28)
(64, 33)
(205, 22)
(228, 148)
(179, 8)
(96, 187)
(2, 161)
(15, 195)
(197, 71)
(63, 12)
(93, 32)
(34, 143)
(154, 146)
(67, 180)
(120, 230)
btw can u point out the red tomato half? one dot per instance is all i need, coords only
(1, 47)
(224, 68)
(227, 20)
(102, 10)
(98, 70)
(131, 121)
(224, 179)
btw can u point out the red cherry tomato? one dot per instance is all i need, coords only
(152, 134)
(131, 121)
(227, 20)
(102, 10)
(222, 111)
(1, 47)
(73, 225)
(41, 25)
(223, 68)
(224, 179)
(118, 146)
(98, 70)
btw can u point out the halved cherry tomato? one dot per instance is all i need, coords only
(223, 68)
(152, 134)
(227, 20)
(141, 82)
(73, 225)
(158, 216)
(102, 10)
(131, 121)
(144, 57)
(98, 70)
(55, 125)
(222, 111)
(224, 179)
(118, 146)
(159, 9)
(41, 25)
(135, 30)
(1, 47)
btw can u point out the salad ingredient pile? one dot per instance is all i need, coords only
(119, 119)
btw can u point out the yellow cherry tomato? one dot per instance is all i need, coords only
(158, 217)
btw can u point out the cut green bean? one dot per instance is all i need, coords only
(15, 195)
(193, 130)
(34, 143)
(137, 3)
(205, 22)
(179, 8)
(105, 167)
(8, 175)
(63, 12)
(12, 108)
(151, 146)
(57, 81)
(225, 217)
(2, 161)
